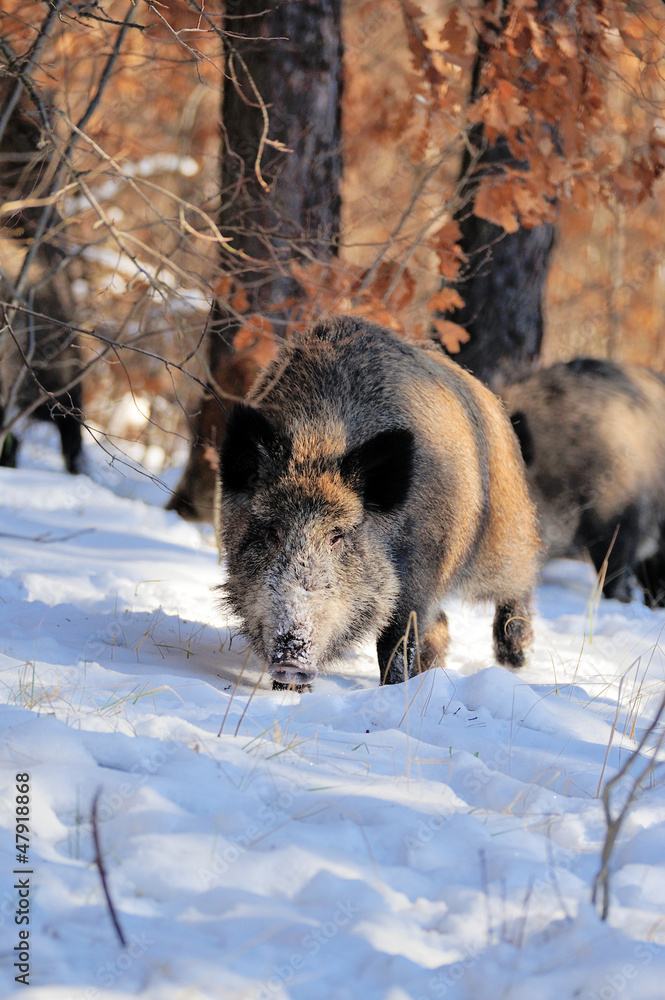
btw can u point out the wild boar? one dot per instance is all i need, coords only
(363, 481)
(592, 434)
(40, 371)
(40, 358)
(193, 497)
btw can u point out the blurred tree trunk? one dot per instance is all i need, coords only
(281, 169)
(503, 280)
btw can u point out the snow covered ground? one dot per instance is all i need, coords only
(435, 839)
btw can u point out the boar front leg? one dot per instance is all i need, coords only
(612, 546)
(651, 575)
(429, 651)
(434, 644)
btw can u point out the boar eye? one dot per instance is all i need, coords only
(336, 539)
(274, 534)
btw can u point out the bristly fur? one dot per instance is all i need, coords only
(363, 481)
(592, 433)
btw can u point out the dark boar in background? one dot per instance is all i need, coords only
(364, 480)
(40, 363)
(40, 369)
(592, 435)
(194, 496)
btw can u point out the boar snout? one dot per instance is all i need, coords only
(287, 672)
(290, 660)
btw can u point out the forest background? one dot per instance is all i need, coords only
(125, 100)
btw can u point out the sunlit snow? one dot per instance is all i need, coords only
(434, 839)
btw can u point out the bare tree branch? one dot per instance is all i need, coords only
(601, 885)
(99, 861)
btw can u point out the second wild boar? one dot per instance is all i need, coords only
(592, 433)
(363, 481)
(40, 355)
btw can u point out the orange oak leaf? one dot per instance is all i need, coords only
(499, 110)
(445, 243)
(239, 301)
(417, 39)
(258, 335)
(445, 300)
(451, 335)
(494, 202)
(454, 36)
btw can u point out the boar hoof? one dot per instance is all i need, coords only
(619, 589)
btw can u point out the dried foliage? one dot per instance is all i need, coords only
(577, 92)
(126, 95)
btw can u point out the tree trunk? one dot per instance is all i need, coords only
(281, 169)
(503, 281)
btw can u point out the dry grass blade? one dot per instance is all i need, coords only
(233, 693)
(609, 742)
(252, 693)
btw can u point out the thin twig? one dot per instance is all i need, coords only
(102, 871)
(9, 207)
(27, 63)
(45, 539)
(56, 184)
(116, 347)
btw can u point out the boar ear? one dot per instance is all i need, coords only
(381, 469)
(524, 436)
(249, 439)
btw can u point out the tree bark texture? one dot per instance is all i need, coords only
(280, 175)
(503, 280)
